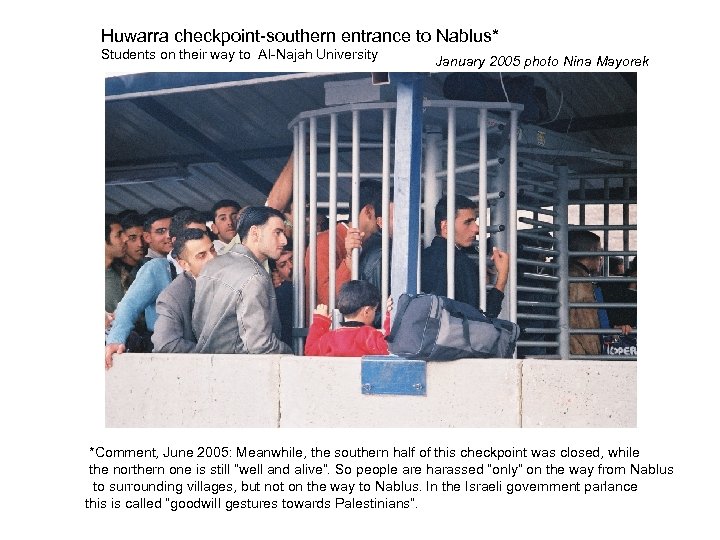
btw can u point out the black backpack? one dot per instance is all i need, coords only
(434, 327)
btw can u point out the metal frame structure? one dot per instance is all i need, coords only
(527, 176)
(442, 131)
(603, 229)
(410, 112)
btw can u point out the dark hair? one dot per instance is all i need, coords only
(182, 219)
(461, 203)
(153, 215)
(183, 237)
(357, 294)
(323, 222)
(255, 216)
(110, 220)
(371, 193)
(582, 241)
(615, 264)
(377, 201)
(632, 267)
(131, 218)
(272, 263)
(222, 204)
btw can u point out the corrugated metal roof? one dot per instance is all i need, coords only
(198, 144)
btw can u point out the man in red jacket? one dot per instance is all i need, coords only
(357, 301)
(347, 238)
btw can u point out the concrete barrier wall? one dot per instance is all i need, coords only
(326, 392)
(577, 393)
(164, 390)
(189, 390)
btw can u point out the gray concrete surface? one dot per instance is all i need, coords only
(326, 392)
(187, 390)
(159, 390)
(576, 393)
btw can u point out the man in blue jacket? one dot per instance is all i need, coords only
(152, 278)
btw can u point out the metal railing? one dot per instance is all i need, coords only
(458, 153)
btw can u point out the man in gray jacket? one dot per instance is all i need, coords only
(173, 328)
(235, 308)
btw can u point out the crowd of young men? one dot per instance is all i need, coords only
(173, 285)
(155, 310)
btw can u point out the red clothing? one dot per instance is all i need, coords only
(342, 270)
(346, 340)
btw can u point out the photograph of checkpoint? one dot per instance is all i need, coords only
(278, 251)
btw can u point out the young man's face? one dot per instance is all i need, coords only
(225, 223)
(284, 265)
(118, 242)
(196, 255)
(387, 223)
(367, 222)
(594, 264)
(135, 248)
(466, 227)
(269, 239)
(158, 238)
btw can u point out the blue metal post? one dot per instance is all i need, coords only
(408, 155)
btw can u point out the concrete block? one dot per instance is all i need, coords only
(187, 390)
(161, 390)
(576, 393)
(326, 392)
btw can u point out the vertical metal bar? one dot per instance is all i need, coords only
(299, 270)
(431, 184)
(626, 216)
(561, 244)
(498, 212)
(582, 197)
(299, 210)
(406, 188)
(482, 207)
(606, 221)
(355, 187)
(512, 216)
(385, 287)
(451, 203)
(332, 229)
(312, 296)
(418, 273)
